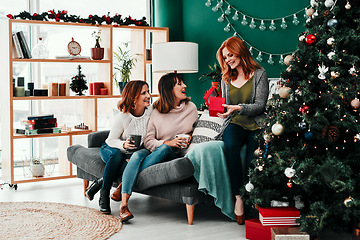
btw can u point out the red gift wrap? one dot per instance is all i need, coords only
(212, 92)
(216, 106)
(256, 231)
(275, 216)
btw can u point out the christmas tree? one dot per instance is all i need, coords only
(78, 82)
(311, 154)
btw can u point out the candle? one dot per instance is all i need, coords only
(54, 89)
(103, 91)
(91, 89)
(97, 86)
(62, 89)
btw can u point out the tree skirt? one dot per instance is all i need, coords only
(42, 220)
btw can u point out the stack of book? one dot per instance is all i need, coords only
(279, 216)
(21, 47)
(39, 124)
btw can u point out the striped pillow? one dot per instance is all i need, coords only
(207, 128)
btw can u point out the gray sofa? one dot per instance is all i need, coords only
(171, 180)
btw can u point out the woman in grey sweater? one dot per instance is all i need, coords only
(245, 87)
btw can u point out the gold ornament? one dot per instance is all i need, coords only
(288, 59)
(277, 129)
(284, 92)
(310, 12)
(355, 103)
(347, 6)
(348, 202)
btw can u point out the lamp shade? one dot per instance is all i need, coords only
(180, 57)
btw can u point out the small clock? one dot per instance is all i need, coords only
(74, 47)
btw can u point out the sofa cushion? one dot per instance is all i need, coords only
(164, 173)
(89, 160)
(206, 129)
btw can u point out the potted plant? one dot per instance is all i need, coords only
(37, 168)
(214, 75)
(97, 52)
(123, 64)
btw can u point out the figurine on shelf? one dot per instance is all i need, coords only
(81, 126)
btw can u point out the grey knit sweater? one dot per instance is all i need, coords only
(256, 108)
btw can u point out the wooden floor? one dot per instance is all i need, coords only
(153, 218)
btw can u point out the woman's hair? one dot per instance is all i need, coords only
(129, 95)
(166, 101)
(237, 47)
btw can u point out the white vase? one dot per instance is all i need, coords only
(37, 169)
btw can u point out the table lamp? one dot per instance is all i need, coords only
(178, 57)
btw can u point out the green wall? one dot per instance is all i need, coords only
(191, 20)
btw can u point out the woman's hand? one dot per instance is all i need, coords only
(128, 145)
(229, 110)
(179, 142)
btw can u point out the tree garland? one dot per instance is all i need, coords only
(92, 19)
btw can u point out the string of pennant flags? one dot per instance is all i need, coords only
(263, 24)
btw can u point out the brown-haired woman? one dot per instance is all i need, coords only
(173, 114)
(245, 87)
(132, 119)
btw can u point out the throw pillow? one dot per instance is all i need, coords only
(207, 128)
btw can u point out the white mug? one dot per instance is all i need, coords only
(183, 136)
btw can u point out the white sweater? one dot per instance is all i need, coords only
(126, 124)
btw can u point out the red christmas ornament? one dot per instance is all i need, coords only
(304, 109)
(289, 184)
(310, 39)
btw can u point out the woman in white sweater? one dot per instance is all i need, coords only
(132, 119)
(173, 114)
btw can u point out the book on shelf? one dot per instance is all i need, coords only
(40, 126)
(39, 121)
(37, 131)
(23, 44)
(36, 117)
(17, 52)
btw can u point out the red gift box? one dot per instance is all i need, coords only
(216, 106)
(256, 231)
(274, 216)
(212, 92)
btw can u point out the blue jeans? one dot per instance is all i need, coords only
(234, 138)
(115, 164)
(143, 159)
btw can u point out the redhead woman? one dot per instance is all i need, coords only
(173, 114)
(132, 119)
(245, 87)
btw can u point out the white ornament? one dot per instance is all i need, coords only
(329, 3)
(335, 74)
(267, 137)
(288, 59)
(301, 38)
(323, 69)
(249, 187)
(316, 13)
(330, 55)
(314, 3)
(352, 70)
(289, 172)
(277, 129)
(310, 12)
(357, 136)
(355, 103)
(330, 41)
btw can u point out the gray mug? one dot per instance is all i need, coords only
(135, 139)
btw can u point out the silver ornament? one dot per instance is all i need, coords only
(249, 187)
(289, 172)
(330, 41)
(332, 22)
(329, 3)
(330, 55)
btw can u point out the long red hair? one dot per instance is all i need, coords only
(237, 47)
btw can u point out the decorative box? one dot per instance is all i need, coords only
(292, 233)
(212, 92)
(216, 106)
(256, 231)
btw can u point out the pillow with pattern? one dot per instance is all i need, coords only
(207, 128)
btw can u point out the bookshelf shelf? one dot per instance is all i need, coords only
(89, 110)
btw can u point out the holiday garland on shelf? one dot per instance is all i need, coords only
(92, 19)
(262, 23)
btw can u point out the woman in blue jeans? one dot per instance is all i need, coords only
(117, 149)
(245, 87)
(173, 114)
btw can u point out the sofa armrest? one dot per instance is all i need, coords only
(96, 139)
